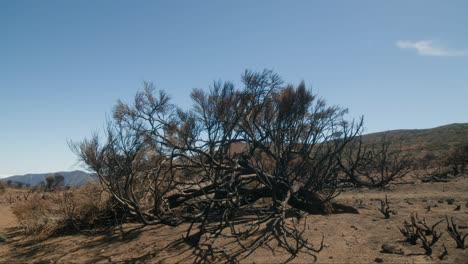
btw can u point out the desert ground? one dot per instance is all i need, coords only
(350, 237)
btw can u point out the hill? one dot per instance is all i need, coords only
(72, 178)
(435, 142)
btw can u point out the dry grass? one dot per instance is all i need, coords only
(47, 214)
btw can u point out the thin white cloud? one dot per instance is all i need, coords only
(427, 48)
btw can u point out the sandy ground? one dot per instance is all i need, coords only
(349, 238)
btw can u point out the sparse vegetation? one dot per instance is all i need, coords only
(418, 229)
(366, 229)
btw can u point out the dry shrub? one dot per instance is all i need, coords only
(36, 215)
(63, 211)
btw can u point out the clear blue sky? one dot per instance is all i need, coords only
(63, 64)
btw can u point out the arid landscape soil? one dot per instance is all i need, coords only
(349, 237)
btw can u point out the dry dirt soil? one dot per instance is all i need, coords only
(349, 237)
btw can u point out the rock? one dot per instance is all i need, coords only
(450, 201)
(378, 260)
(2, 238)
(392, 249)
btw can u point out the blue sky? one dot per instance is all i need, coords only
(64, 64)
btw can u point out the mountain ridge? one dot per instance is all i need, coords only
(71, 178)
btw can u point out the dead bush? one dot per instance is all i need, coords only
(385, 208)
(62, 212)
(410, 230)
(455, 233)
(35, 215)
(419, 229)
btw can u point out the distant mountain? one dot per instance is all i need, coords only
(72, 178)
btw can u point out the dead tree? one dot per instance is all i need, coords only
(410, 230)
(242, 160)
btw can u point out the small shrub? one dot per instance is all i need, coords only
(2, 238)
(385, 208)
(410, 230)
(427, 244)
(418, 229)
